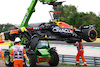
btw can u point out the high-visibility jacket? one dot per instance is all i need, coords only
(1, 53)
(79, 45)
(18, 52)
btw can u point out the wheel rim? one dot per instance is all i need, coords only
(7, 59)
(93, 34)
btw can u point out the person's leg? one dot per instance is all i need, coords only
(77, 58)
(82, 56)
(21, 63)
(16, 63)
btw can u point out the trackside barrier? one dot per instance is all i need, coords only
(71, 59)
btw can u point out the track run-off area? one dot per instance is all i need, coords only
(90, 49)
(63, 48)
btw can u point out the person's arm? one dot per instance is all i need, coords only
(24, 53)
(11, 55)
(25, 56)
(75, 44)
(2, 56)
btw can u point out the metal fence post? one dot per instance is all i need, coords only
(62, 58)
(94, 61)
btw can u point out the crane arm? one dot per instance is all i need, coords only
(31, 9)
(27, 16)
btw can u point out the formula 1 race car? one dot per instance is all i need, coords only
(58, 31)
(62, 31)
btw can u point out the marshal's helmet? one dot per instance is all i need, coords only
(17, 39)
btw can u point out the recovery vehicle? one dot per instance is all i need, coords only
(57, 30)
(43, 52)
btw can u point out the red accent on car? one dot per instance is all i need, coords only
(65, 25)
(55, 11)
(30, 28)
(14, 32)
(95, 36)
(40, 28)
(28, 50)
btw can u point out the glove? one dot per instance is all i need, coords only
(23, 29)
(75, 44)
(3, 61)
(11, 59)
(26, 58)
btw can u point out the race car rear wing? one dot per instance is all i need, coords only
(87, 27)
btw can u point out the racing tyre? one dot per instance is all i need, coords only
(32, 61)
(54, 58)
(7, 60)
(90, 35)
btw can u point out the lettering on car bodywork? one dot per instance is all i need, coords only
(61, 30)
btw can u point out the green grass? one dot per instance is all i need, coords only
(75, 65)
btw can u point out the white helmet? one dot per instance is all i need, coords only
(17, 39)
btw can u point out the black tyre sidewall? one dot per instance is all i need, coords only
(86, 35)
(10, 63)
(55, 59)
(32, 59)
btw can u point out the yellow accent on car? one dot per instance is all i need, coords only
(89, 34)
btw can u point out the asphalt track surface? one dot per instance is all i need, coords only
(90, 48)
(84, 44)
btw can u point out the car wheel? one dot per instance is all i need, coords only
(90, 35)
(54, 58)
(7, 60)
(32, 61)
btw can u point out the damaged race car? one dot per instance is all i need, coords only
(64, 32)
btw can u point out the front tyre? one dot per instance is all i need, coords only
(32, 60)
(54, 58)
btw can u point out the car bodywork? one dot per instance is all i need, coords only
(63, 31)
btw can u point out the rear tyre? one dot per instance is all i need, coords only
(7, 59)
(32, 60)
(54, 58)
(90, 35)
